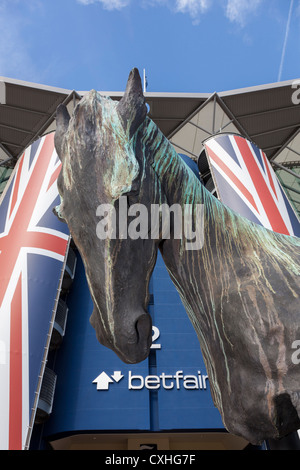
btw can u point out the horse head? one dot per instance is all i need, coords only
(102, 165)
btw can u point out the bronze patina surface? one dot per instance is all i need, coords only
(240, 289)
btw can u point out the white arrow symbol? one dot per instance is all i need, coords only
(117, 376)
(102, 381)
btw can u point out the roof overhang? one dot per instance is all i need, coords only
(269, 115)
(266, 114)
(27, 110)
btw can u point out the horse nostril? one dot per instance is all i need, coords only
(143, 327)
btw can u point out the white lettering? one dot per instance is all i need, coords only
(156, 335)
(167, 381)
(196, 235)
(164, 377)
(161, 223)
(123, 218)
(152, 382)
(177, 376)
(116, 460)
(135, 377)
(190, 382)
(177, 459)
(296, 94)
(106, 228)
(138, 228)
(296, 354)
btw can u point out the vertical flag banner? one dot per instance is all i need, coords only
(33, 247)
(246, 182)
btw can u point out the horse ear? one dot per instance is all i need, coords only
(132, 107)
(62, 123)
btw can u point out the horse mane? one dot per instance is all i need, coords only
(231, 230)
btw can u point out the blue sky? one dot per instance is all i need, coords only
(184, 45)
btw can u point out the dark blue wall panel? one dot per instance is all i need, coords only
(78, 405)
(186, 405)
(161, 393)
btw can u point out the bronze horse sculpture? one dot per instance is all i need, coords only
(240, 289)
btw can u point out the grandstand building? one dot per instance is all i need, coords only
(82, 396)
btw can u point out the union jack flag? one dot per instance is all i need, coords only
(246, 182)
(33, 245)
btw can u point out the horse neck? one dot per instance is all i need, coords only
(178, 185)
(178, 182)
(231, 244)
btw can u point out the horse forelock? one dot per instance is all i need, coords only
(96, 137)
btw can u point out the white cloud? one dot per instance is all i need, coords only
(193, 7)
(239, 10)
(236, 11)
(107, 4)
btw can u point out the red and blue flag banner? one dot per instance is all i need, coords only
(33, 248)
(246, 182)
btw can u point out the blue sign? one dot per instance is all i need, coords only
(96, 391)
(184, 399)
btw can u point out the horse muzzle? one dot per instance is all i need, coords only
(131, 339)
(135, 346)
